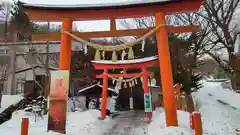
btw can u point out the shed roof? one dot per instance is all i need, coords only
(29, 68)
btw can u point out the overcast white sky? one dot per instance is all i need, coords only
(83, 25)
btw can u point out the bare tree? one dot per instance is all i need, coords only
(3, 78)
(218, 16)
(54, 59)
(5, 9)
(218, 34)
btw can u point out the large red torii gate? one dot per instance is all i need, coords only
(157, 8)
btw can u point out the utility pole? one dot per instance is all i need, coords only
(11, 85)
(47, 66)
(47, 79)
(12, 69)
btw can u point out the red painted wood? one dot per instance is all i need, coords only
(43, 15)
(166, 72)
(104, 94)
(119, 66)
(24, 126)
(125, 75)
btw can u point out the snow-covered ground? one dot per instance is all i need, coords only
(78, 123)
(158, 125)
(220, 110)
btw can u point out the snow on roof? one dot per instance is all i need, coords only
(147, 59)
(93, 4)
(154, 86)
(37, 66)
(89, 87)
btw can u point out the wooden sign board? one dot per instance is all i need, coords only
(58, 101)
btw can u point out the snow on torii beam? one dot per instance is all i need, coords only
(136, 9)
(110, 11)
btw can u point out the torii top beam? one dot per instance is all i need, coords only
(40, 13)
(142, 63)
(136, 63)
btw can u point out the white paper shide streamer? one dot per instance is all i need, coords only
(85, 49)
(143, 45)
(123, 55)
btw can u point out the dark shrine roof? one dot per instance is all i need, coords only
(133, 3)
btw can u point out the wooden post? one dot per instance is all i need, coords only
(166, 72)
(145, 81)
(104, 94)
(24, 126)
(192, 121)
(197, 123)
(65, 60)
(66, 45)
(146, 90)
(178, 90)
(113, 25)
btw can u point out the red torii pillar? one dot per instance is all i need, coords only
(104, 93)
(146, 89)
(66, 45)
(65, 55)
(166, 71)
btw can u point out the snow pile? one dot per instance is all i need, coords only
(220, 109)
(77, 123)
(173, 131)
(13, 126)
(8, 100)
(79, 119)
(49, 133)
(158, 125)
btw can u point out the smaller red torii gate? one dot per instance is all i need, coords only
(105, 65)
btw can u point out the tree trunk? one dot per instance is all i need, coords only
(0, 98)
(235, 80)
(190, 103)
(187, 89)
(238, 81)
(235, 76)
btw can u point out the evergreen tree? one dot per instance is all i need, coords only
(183, 61)
(20, 22)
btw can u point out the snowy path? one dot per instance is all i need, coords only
(220, 110)
(129, 123)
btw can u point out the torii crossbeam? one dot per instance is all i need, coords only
(157, 8)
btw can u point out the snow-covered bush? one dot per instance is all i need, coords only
(36, 107)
